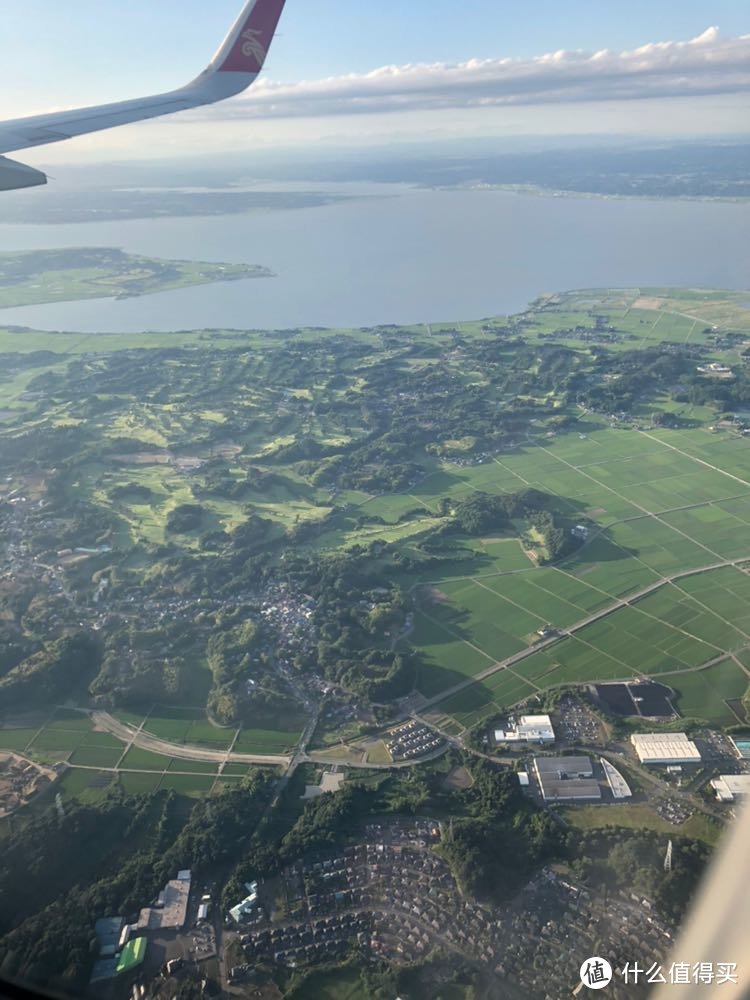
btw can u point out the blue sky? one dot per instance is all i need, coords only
(60, 55)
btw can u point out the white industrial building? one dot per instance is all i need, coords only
(528, 729)
(729, 787)
(665, 748)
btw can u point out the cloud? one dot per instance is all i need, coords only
(705, 65)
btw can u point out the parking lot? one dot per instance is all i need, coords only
(574, 723)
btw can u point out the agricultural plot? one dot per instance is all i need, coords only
(706, 694)
(727, 452)
(671, 632)
(96, 757)
(189, 727)
(269, 741)
(137, 759)
(446, 658)
(554, 597)
(619, 480)
(67, 735)
(495, 625)
(192, 785)
(180, 764)
(16, 739)
(88, 786)
(138, 784)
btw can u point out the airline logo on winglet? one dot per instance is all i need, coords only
(251, 46)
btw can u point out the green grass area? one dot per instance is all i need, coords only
(96, 756)
(193, 785)
(138, 784)
(132, 954)
(704, 695)
(144, 760)
(641, 817)
(270, 741)
(41, 276)
(16, 739)
(334, 984)
(223, 784)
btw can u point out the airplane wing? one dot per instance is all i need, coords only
(235, 66)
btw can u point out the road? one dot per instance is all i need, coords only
(146, 741)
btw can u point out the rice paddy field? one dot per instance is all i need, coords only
(97, 759)
(670, 512)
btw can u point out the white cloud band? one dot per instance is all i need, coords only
(708, 64)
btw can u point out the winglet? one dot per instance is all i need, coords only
(245, 48)
(14, 175)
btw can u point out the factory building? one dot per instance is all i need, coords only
(528, 729)
(568, 779)
(665, 748)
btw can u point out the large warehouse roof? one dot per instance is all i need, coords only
(568, 778)
(665, 748)
(578, 767)
(569, 788)
(172, 911)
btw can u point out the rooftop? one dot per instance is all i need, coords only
(571, 766)
(566, 778)
(531, 728)
(729, 786)
(132, 954)
(173, 912)
(657, 748)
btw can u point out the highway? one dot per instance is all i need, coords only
(147, 741)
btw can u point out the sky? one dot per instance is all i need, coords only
(364, 72)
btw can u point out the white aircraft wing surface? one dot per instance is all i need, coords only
(234, 67)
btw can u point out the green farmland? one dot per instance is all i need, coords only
(656, 511)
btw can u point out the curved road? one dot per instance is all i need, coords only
(147, 741)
